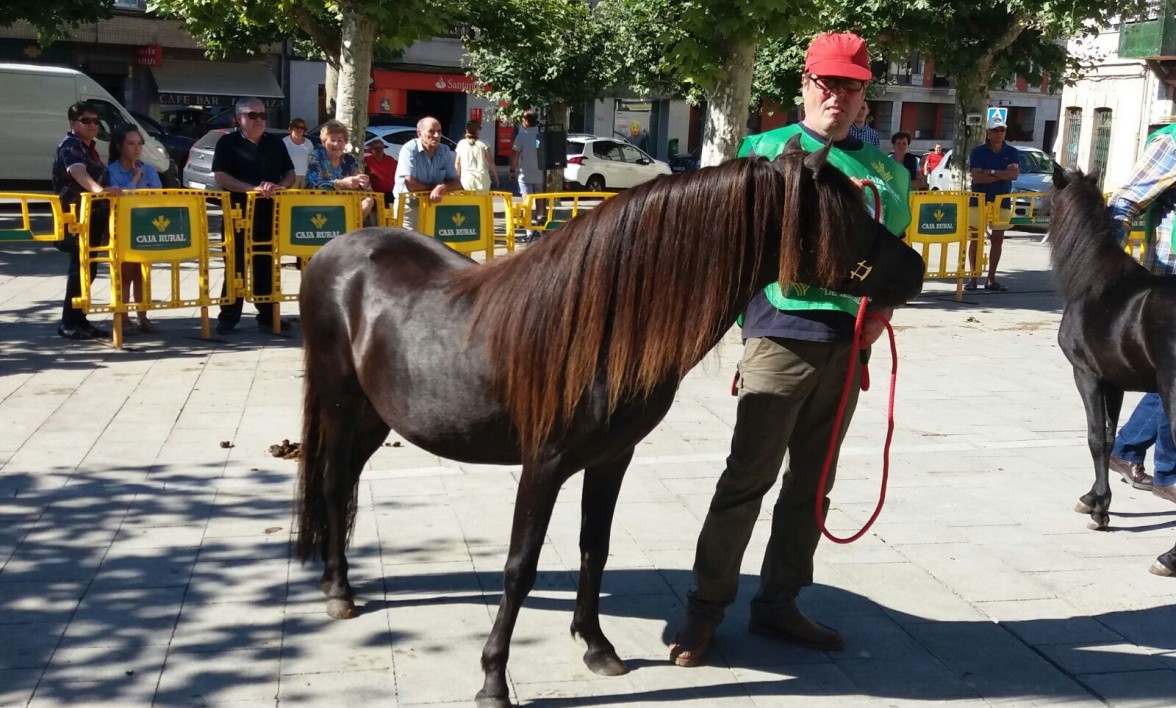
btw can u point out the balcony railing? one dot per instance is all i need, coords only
(1150, 38)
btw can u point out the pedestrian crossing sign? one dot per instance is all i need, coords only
(998, 113)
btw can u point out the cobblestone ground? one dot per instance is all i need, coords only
(144, 533)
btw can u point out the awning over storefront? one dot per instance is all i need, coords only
(210, 83)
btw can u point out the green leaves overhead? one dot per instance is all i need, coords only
(52, 18)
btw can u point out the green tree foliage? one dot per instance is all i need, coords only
(52, 18)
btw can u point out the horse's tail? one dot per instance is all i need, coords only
(311, 501)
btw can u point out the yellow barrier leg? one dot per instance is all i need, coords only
(205, 332)
(277, 318)
(117, 331)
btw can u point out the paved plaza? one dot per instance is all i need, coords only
(145, 528)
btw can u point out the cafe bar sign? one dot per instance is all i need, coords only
(208, 100)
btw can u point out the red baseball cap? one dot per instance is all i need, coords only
(833, 54)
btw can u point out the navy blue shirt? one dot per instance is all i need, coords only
(984, 158)
(762, 319)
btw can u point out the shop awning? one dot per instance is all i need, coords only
(214, 83)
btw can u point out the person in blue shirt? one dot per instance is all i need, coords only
(128, 171)
(425, 165)
(994, 166)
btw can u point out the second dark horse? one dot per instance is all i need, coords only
(562, 357)
(1118, 328)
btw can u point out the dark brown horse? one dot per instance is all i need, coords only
(1118, 328)
(562, 357)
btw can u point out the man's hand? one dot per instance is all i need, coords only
(872, 329)
(267, 189)
(437, 193)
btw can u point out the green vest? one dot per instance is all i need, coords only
(866, 163)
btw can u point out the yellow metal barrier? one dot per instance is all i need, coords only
(557, 209)
(40, 218)
(1019, 209)
(508, 217)
(154, 228)
(464, 221)
(303, 222)
(943, 224)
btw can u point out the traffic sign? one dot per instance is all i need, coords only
(998, 112)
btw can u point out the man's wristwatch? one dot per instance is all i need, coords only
(992, 173)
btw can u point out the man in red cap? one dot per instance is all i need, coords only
(798, 348)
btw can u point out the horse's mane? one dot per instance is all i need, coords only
(650, 279)
(1083, 250)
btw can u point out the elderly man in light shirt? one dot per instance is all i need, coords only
(425, 165)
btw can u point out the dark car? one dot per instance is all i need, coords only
(177, 146)
(687, 161)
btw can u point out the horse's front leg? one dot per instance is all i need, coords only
(1097, 398)
(534, 502)
(602, 484)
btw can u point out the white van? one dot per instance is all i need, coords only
(33, 121)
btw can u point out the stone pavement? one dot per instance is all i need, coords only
(143, 561)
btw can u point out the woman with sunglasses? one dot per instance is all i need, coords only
(77, 168)
(128, 171)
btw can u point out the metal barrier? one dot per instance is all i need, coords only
(943, 224)
(1019, 209)
(464, 221)
(41, 217)
(556, 210)
(304, 221)
(150, 228)
(508, 216)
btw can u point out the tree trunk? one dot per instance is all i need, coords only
(726, 112)
(355, 69)
(331, 84)
(554, 178)
(971, 98)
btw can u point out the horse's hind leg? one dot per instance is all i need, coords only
(1102, 403)
(534, 502)
(602, 484)
(352, 441)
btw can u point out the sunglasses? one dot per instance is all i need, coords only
(832, 83)
(253, 115)
(87, 121)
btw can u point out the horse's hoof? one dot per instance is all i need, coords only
(1159, 568)
(605, 663)
(341, 609)
(1099, 523)
(1083, 508)
(490, 702)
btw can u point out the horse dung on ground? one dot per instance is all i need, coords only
(561, 357)
(1118, 328)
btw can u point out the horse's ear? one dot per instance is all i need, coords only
(1093, 175)
(815, 161)
(793, 144)
(1059, 177)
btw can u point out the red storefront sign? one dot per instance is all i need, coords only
(476, 114)
(417, 81)
(149, 55)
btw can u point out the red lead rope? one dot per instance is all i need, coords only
(853, 359)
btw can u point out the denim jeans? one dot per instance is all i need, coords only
(1147, 426)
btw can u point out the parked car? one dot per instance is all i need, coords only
(177, 146)
(198, 171)
(597, 164)
(684, 162)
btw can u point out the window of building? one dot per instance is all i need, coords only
(928, 121)
(1100, 142)
(1073, 132)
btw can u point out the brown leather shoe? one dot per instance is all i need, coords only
(791, 625)
(691, 641)
(1168, 492)
(1133, 473)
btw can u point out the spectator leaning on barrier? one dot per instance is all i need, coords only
(299, 148)
(993, 166)
(78, 168)
(425, 165)
(1151, 189)
(797, 353)
(331, 167)
(128, 171)
(252, 160)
